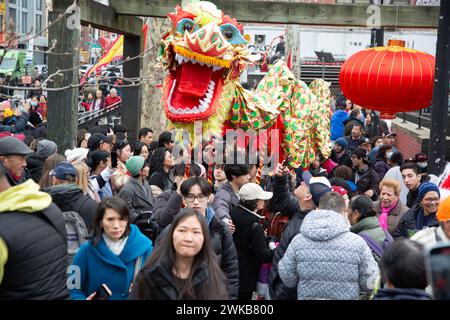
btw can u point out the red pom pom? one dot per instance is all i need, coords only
(446, 183)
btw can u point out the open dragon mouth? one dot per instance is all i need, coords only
(193, 88)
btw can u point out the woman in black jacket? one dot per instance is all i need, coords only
(249, 237)
(183, 265)
(194, 193)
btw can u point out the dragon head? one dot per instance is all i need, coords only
(202, 50)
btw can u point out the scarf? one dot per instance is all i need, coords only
(117, 246)
(384, 215)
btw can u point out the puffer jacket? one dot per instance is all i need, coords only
(35, 165)
(225, 199)
(326, 261)
(410, 222)
(371, 227)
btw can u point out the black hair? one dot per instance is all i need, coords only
(157, 160)
(137, 147)
(341, 102)
(332, 201)
(410, 165)
(119, 128)
(397, 158)
(117, 204)
(212, 288)
(373, 140)
(144, 132)
(204, 185)
(364, 205)
(382, 150)
(403, 265)
(354, 113)
(80, 136)
(249, 204)
(120, 136)
(236, 170)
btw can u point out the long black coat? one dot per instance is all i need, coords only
(251, 247)
(408, 225)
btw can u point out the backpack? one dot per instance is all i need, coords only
(77, 233)
(373, 245)
(148, 225)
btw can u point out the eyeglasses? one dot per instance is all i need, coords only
(430, 200)
(200, 197)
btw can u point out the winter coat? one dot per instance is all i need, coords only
(224, 248)
(251, 247)
(370, 227)
(381, 167)
(394, 216)
(33, 245)
(137, 196)
(166, 207)
(337, 124)
(401, 294)
(69, 197)
(20, 124)
(411, 221)
(225, 199)
(35, 165)
(283, 200)
(98, 265)
(278, 290)
(368, 180)
(431, 236)
(326, 261)
(159, 284)
(353, 144)
(161, 180)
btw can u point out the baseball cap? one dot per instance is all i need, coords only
(252, 191)
(64, 171)
(13, 146)
(389, 135)
(96, 139)
(318, 186)
(366, 141)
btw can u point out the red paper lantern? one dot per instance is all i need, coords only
(389, 79)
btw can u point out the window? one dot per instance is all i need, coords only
(39, 5)
(24, 3)
(12, 18)
(38, 23)
(24, 22)
(12, 1)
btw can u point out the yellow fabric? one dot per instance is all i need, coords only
(3, 258)
(24, 197)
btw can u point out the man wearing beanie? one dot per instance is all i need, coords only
(422, 215)
(137, 192)
(433, 235)
(296, 206)
(12, 159)
(340, 154)
(35, 161)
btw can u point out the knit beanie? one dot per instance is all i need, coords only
(342, 142)
(46, 148)
(76, 155)
(443, 212)
(427, 187)
(135, 164)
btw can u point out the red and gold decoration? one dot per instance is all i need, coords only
(389, 79)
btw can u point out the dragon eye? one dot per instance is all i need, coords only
(186, 24)
(232, 34)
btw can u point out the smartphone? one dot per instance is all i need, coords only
(103, 293)
(286, 161)
(438, 270)
(114, 159)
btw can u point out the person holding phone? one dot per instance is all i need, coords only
(22, 114)
(113, 257)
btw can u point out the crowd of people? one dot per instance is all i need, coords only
(120, 219)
